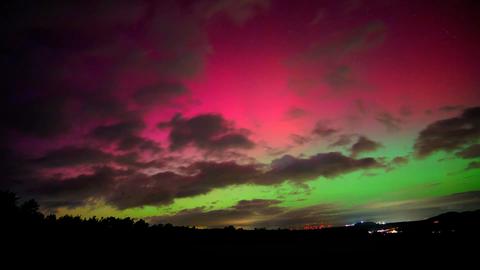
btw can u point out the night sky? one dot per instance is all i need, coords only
(251, 113)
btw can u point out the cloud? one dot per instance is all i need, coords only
(472, 151)
(323, 130)
(396, 162)
(16, 169)
(158, 94)
(217, 174)
(450, 108)
(256, 213)
(361, 38)
(390, 122)
(206, 131)
(343, 140)
(255, 204)
(330, 59)
(138, 143)
(72, 156)
(125, 134)
(295, 113)
(127, 188)
(298, 218)
(40, 117)
(299, 139)
(364, 145)
(238, 12)
(473, 165)
(74, 191)
(327, 165)
(247, 213)
(133, 160)
(139, 189)
(360, 107)
(117, 131)
(339, 78)
(400, 160)
(449, 134)
(343, 9)
(405, 111)
(65, 60)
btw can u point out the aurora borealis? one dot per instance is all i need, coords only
(251, 113)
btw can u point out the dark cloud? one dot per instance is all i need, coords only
(299, 139)
(134, 161)
(295, 113)
(343, 140)
(472, 151)
(138, 190)
(406, 111)
(125, 134)
(328, 59)
(101, 105)
(360, 107)
(205, 131)
(39, 117)
(390, 122)
(238, 12)
(339, 78)
(364, 145)
(277, 151)
(323, 130)
(62, 61)
(255, 213)
(342, 9)
(65, 64)
(473, 165)
(217, 174)
(117, 131)
(395, 162)
(199, 217)
(450, 108)
(245, 212)
(358, 39)
(400, 160)
(232, 141)
(298, 218)
(127, 188)
(138, 143)
(161, 188)
(449, 134)
(158, 94)
(324, 164)
(16, 170)
(74, 191)
(72, 156)
(255, 204)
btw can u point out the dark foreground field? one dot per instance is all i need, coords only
(25, 230)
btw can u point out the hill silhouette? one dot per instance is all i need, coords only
(23, 225)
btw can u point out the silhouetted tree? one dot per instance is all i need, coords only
(8, 204)
(229, 228)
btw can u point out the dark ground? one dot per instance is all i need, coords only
(451, 236)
